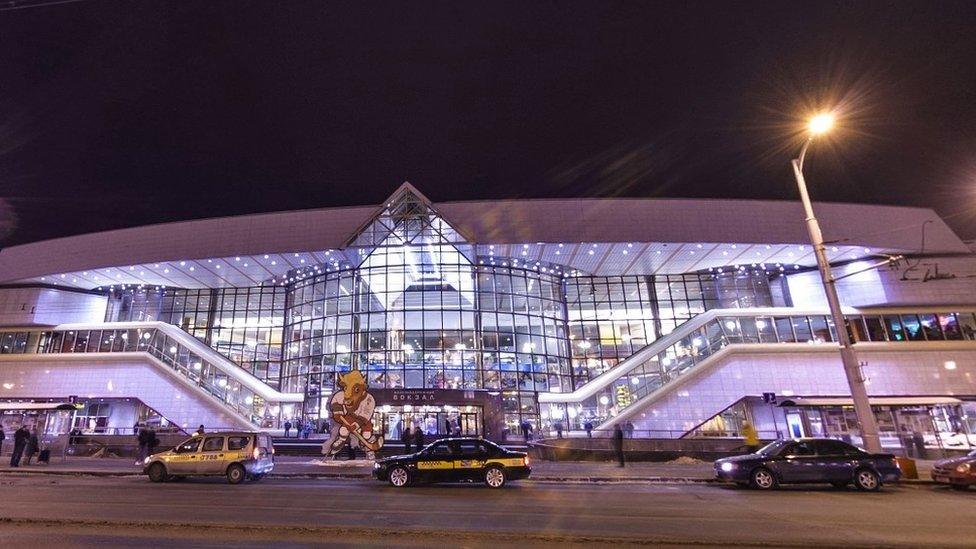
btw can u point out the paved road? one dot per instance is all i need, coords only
(129, 511)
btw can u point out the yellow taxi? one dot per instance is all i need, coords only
(237, 455)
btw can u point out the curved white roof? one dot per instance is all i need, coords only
(631, 236)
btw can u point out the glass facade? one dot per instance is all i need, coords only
(243, 324)
(418, 309)
(610, 318)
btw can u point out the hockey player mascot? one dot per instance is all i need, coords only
(351, 408)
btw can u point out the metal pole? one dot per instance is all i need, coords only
(855, 379)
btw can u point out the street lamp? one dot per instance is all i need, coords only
(819, 125)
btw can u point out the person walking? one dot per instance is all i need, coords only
(143, 440)
(3, 436)
(418, 437)
(151, 441)
(629, 428)
(589, 429)
(751, 437)
(618, 443)
(287, 428)
(32, 446)
(20, 441)
(407, 438)
(559, 429)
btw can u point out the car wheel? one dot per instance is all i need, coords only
(838, 484)
(157, 472)
(236, 474)
(866, 480)
(763, 479)
(495, 477)
(399, 477)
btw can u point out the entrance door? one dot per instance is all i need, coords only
(794, 424)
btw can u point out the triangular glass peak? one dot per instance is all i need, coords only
(407, 249)
(407, 218)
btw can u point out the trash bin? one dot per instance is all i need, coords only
(908, 468)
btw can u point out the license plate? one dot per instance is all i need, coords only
(941, 479)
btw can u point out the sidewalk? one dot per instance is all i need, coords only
(678, 471)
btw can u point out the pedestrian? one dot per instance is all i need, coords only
(629, 427)
(135, 429)
(153, 442)
(20, 441)
(199, 431)
(307, 430)
(287, 428)
(618, 443)
(32, 446)
(143, 440)
(418, 437)
(407, 438)
(919, 441)
(559, 429)
(2, 437)
(589, 429)
(751, 437)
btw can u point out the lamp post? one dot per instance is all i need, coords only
(819, 125)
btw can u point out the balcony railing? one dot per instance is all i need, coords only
(675, 354)
(213, 373)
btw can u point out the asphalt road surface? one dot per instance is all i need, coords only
(42, 511)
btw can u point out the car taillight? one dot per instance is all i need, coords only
(257, 453)
(525, 461)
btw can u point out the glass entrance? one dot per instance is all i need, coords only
(435, 421)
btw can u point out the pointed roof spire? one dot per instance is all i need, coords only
(406, 217)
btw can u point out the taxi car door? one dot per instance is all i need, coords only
(211, 460)
(185, 457)
(470, 459)
(436, 463)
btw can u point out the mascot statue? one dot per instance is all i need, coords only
(351, 408)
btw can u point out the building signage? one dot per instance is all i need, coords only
(413, 396)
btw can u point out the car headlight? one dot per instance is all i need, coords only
(147, 460)
(376, 466)
(727, 467)
(963, 468)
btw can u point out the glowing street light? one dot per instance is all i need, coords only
(819, 125)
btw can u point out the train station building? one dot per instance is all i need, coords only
(677, 318)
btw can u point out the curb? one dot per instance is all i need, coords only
(361, 476)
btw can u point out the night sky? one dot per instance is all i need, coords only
(116, 114)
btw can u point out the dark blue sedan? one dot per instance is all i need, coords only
(809, 460)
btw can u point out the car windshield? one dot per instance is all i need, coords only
(772, 447)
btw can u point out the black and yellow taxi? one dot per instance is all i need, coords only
(455, 460)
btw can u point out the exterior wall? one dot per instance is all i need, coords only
(105, 378)
(48, 306)
(815, 373)
(928, 281)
